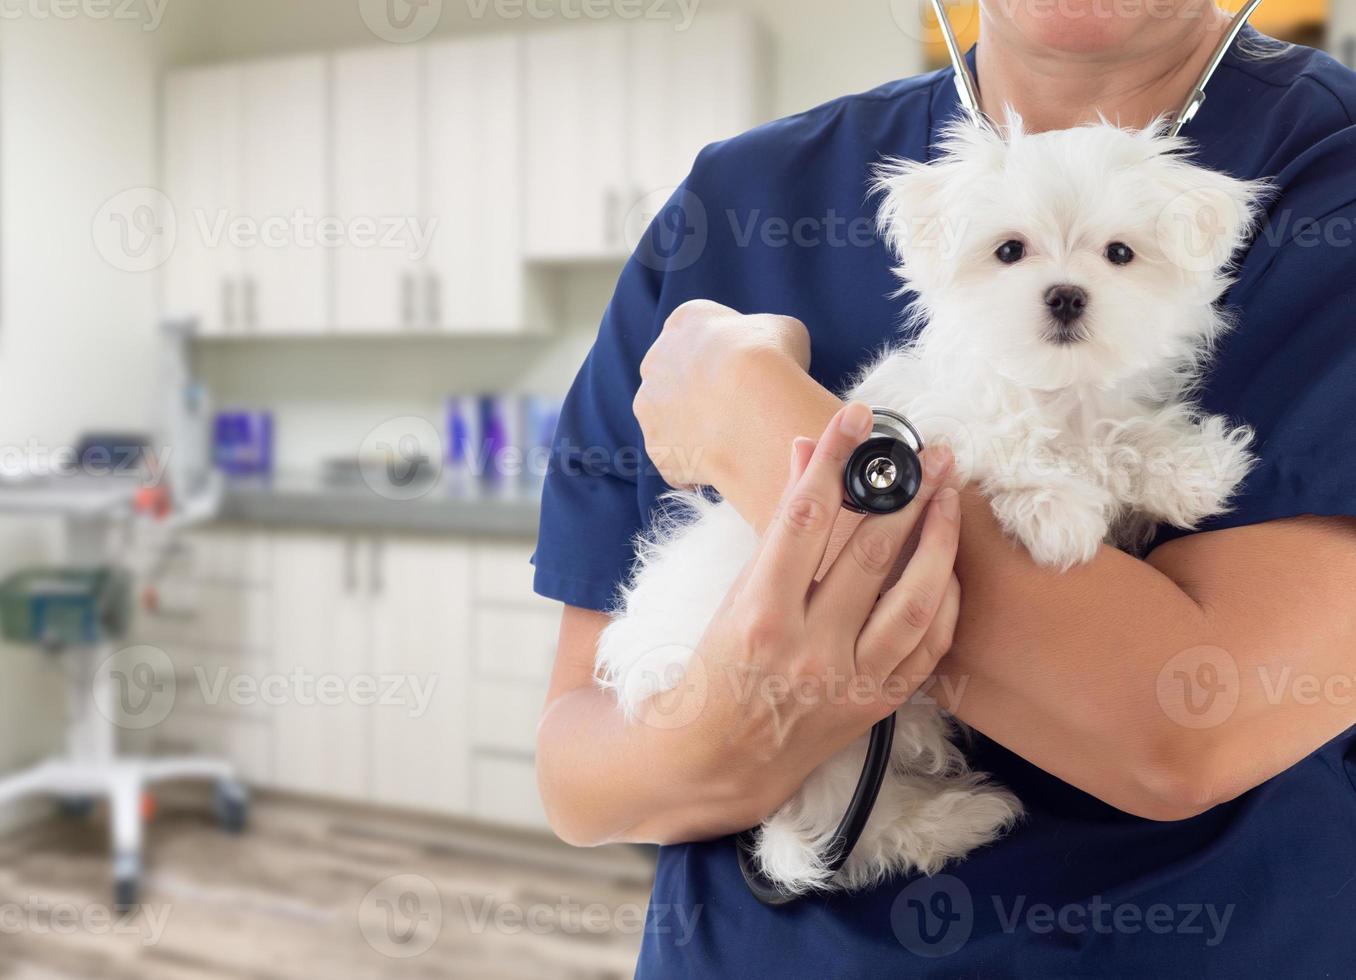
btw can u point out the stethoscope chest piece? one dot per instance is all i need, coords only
(885, 473)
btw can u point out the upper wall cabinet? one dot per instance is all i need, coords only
(201, 175)
(377, 169)
(410, 189)
(245, 170)
(577, 140)
(428, 147)
(284, 131)
(617, 114)
(474, 276)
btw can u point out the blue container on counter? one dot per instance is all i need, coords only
(242, 443)
(499, 441)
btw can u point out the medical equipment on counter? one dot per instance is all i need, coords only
(882, 476)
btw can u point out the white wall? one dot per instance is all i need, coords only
(1342, 30)
(824, 49)
(77, 113)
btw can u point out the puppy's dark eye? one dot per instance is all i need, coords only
(1011, 252)
(1119, 253)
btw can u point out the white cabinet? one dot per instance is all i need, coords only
(409, 189)
(514, 640)
(385, 669)
(421, 601)
(202, 182)
(616, 114)
(474, 278)
(321, 652)
(427, 150)
(244, 168)
(576, 130)
(688, 89)
(377, 171)
(284, 168)
(371, 633)
(213, 620)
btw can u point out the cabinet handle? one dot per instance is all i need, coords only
(407, 299)
(228, 304)
(377, 558)
(350, 566)
(251, 286)
(433, 286)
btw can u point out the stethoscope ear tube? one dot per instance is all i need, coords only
(883, 476)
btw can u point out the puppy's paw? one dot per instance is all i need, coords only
(1203, 474)
(1060, 526)
(921, 824)
(791, 854)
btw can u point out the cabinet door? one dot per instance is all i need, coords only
(473, 105)
(377, 147)
(421, 652)
(688, 89)
(284, 176)
(200, 168)
(576, 132)
(320, 656)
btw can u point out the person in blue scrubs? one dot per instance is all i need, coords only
(1178, 724)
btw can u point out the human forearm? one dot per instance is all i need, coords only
(1085, 673)
(1061, 667)
(780, 403)
(606, 781)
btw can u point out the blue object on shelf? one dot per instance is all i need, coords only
(243, 443)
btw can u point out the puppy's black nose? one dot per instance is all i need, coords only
(1066, 303)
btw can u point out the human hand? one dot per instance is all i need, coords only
(695, 381)
(796, 669)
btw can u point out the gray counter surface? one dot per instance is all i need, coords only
(302, 501)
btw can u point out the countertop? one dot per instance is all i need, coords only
(440, 507)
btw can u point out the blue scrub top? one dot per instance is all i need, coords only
(778, 220)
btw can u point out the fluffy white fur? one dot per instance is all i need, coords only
(1074, 442)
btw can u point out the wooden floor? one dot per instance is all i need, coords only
(313, 891)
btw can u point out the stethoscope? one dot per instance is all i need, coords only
(884, 475)
(968, 89)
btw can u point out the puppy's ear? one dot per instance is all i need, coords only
(912, 219)
(1206, 216)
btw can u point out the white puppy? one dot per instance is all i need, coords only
(1066, 286)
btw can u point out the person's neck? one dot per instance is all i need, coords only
(1055, 90)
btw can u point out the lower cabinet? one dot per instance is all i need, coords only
(401, 661)
(420, 610)
(399, 671)
(321, 654)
